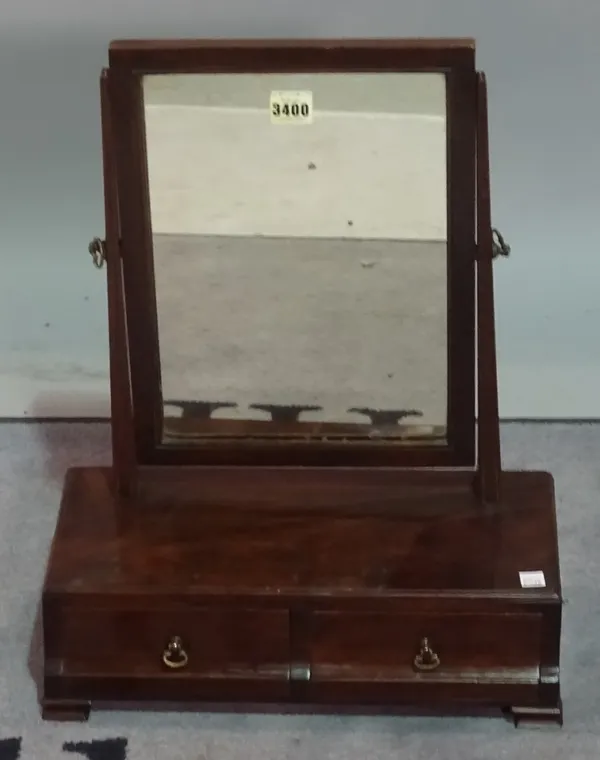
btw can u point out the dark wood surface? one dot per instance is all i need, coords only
(122, 428)
(307, 586)
(361, 531)
(488, 439)
(179, 429)
(128, 61)
(289, 54)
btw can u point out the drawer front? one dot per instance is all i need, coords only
(207, 643)
(370, 650)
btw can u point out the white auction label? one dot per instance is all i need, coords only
(291, 107)
(532, 579)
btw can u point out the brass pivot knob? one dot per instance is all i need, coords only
(427, 659)
(175, 655)
(97, 250)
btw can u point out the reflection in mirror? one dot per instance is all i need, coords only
(299, 232)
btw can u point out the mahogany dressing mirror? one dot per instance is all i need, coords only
(301, 513)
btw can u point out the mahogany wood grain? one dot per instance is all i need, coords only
(488, 429)
(123, 444)
(297, 587)
(65, 710)
(363, 533)
(289, 55)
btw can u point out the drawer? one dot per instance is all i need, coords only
(206, 643)
(368, 647)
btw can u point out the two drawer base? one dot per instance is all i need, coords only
(336, 661)
(290, 610)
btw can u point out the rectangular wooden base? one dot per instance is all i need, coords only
(306, 589)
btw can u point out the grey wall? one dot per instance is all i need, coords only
(542, 60)
(423, 93)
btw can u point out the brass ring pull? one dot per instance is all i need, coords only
(427, 659)
(175, 655)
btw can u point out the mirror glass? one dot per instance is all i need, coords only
(299, 232)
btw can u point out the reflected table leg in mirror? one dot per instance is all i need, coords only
(202, 410)
(285, 413)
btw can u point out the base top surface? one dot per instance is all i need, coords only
(366, 533)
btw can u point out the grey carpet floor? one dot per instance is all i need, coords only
(33, 459)
(338, 323)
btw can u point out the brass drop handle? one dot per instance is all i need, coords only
(175, 655)
(427, 659)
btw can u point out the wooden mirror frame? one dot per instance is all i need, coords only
(139, 409)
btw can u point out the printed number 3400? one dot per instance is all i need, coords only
(291, 107)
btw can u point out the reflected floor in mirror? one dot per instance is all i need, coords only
(343, 327)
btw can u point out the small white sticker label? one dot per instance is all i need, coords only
(532, 579)
(291, 107)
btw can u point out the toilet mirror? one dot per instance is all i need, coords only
(300, 237)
